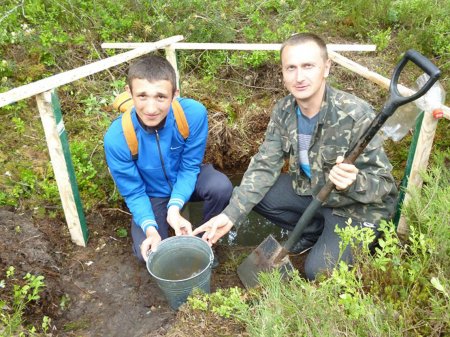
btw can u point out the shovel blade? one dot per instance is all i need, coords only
(264, 258)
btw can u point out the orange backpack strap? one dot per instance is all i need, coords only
(180, 118)
(124, 103)
(130, 134)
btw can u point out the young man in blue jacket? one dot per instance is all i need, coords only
(168, 171)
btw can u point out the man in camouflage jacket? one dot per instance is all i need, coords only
(365, 192)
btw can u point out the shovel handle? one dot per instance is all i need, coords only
(395, 100)
(423, 63)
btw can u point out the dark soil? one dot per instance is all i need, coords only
(101, 289)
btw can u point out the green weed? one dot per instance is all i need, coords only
(23, 295)
(64, 302)
(121, 232)
(224, 302)
(20, 185)
(233, 261)
(93, 105)
(85, 170)
(19, 125)
(381, 38)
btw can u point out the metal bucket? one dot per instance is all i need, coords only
(180, 264)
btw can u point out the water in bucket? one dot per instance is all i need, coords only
(180, 264)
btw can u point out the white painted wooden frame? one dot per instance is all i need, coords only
(48, 106)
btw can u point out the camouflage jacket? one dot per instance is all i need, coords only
(343, 118)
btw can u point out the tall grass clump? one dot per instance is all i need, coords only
(402, 289)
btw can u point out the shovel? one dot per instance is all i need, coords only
(270, 254)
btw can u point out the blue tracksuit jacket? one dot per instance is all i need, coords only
(144, 178)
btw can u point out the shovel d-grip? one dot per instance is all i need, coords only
(270, 254)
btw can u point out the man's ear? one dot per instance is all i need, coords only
(127, 88)
(176, 94)
(327, 68)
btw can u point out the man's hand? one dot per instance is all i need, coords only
(343, 175)
(214, 229)
(150, 243)
(180, 225)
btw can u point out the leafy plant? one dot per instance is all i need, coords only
(24, 294)
(224, 302)
(93, 104)
(84, 168)
(19, 125)
(121, 232)
(381, 38)
(64, 302)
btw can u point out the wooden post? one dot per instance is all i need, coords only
(171, 56)
(420, 162)
(58, 147)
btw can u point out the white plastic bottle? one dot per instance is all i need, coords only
(403, 120)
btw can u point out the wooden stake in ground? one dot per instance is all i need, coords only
(58, 147)
(419, 164)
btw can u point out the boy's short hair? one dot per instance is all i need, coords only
(152, 68)
(300, 38)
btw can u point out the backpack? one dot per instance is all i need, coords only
(124, 103)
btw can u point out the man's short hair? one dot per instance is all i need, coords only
(301, 38)
(152, 68)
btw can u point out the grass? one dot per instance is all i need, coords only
(400, 290)
(299, 308)
(76, 325)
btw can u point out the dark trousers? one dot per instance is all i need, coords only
(212, 187)
(284, 207)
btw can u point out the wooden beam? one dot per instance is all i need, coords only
(55, 81)
(366, 73)
(236, 46)
(332, 49)
(58, 147)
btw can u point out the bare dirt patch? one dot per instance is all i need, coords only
(101, 289)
